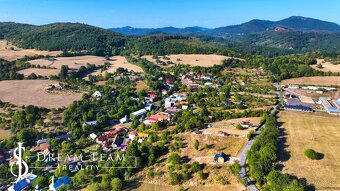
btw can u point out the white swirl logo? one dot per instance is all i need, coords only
(22, 165)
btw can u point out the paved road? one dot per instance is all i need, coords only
(243, 174)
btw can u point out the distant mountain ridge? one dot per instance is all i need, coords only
(295, 23)
(168, 30)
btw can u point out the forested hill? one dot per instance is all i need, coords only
(64, 36)
(295, 40)
(175, 44)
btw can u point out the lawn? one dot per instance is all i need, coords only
(320, 132)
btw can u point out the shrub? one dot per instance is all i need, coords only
(311, 154)
(239, 127)
(235, 168)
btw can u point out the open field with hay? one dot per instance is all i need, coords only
(33, 92)
(320, 132)
(192, 59)
(72, 62)
(119, 62)
(10, 52)
(316, 80)
(326, 66)
(154, 187)
(39, 71)
(209, 146)
(229, 126)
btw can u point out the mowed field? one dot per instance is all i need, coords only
(32, 92)
(39, 71)
(316, 80)
(119, 62)
(192, 59)
(10, 52)
(326, 66)
(72, 62)
(320, 132)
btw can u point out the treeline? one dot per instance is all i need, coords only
(8, 71)
(262, 156)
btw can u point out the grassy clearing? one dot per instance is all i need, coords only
(33, 92)
(316, 80)
(39, 71)
(326, 66)
(11, 52)
(5, 134)
(209, 146)
(192, 59)
(320, 132)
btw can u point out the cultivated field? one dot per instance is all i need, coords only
(39, 71)
(192, 59)
(119, 62)
(320, 132)
(72, 62)
(326, 66)
(32, 92)
(316, 80)
(10, 52)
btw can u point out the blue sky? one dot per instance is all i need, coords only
(160, 13)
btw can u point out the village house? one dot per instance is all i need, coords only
(24, 184)
(171, 110)
(221, 158)
(157, 118)
(90, 123)
(148, 107)
(138, 114)
(97, 94)
(45, 148)
(41, 141)
(164, 92)
(58, 183)
(132, 135)
(125, 119)
(93, 136)
(64, 137)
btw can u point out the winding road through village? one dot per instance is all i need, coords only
(249, 184)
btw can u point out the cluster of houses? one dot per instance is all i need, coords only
(190, 80)
(28, 180)
(116, 139)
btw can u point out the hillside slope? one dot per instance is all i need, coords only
(65, 36)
